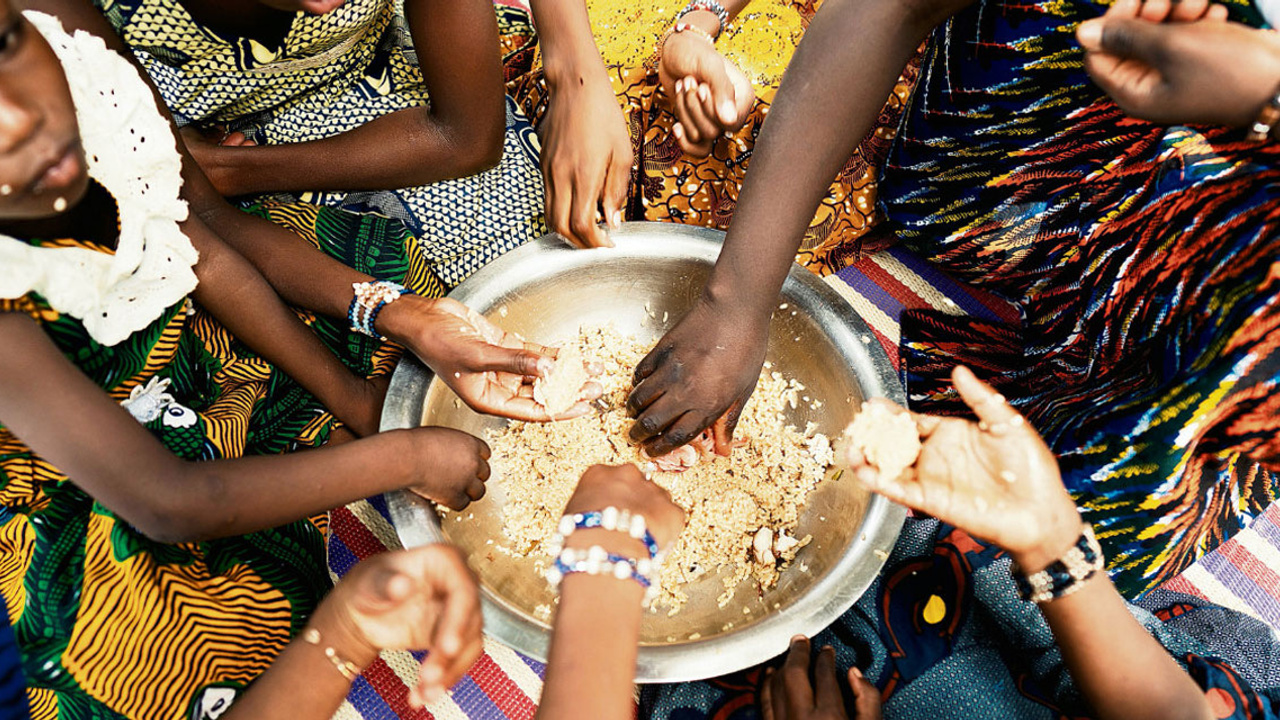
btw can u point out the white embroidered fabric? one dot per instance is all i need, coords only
(131, 151)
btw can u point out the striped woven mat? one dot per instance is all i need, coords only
(1244, 574)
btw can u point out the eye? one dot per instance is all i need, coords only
(10, 37)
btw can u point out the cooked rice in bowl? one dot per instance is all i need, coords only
(742, 510)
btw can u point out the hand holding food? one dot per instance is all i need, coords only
(626, 488)
(420, 599)
(491, 370)
(709, 95)
(994, 478)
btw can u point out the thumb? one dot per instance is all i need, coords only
(495, 358)
(384, 588)
(1125, 38)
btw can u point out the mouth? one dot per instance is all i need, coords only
(60, 172)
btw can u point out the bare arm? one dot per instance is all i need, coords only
(235, 293)
(829, 99)
(460, 133)
(67, 420)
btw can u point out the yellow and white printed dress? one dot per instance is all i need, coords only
(333, 73)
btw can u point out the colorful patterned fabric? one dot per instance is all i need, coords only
(943, 634)
(13, 696)
(668, 186)
(1144, 259)
(113, 624)
(332, 73)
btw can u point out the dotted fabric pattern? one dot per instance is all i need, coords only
(332, 73)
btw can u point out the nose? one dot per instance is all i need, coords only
(18, 123)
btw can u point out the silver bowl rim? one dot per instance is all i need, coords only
(417, 524)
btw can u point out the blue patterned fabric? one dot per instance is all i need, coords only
(13, 696)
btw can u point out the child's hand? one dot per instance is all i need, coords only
(452, 465)
(626, 488)
(420, 599)
(787, 694)
(709, 94)
(996, 479)
(1181, 68)
(490, 369)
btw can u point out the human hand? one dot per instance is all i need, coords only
(586, 159)
(1195, 71)
(626, 488)
(699, 375)
(491, 370)
(451, 466)
(787, 694)
(709, 94)
(209, 148)
(420, 599)
(995, 479)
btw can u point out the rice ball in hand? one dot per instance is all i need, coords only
(886, 437)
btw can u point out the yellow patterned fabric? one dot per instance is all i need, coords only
(333, 73)
(671, 187)
(113, 624)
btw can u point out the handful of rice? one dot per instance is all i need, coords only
(742, 510)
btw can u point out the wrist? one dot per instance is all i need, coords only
(399, 319)
(338, 631)
(704, 20)
(728, 300)
(573, 67)
(1059, 532)
(612, 541)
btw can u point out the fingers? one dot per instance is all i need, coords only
(721, 102)
(616, 181)
(826, 685)
(495, 358)
(696, 130)
(651, 362)
(766, 697)
(1125, 38)
(795, 678)
(456, 641)
(866, 697)
(1155, 10)
(1189, 10)
(723, 428)
(584, 216)
(685, 428)
(989, 405)
(1124, 9)
(1217, 13)
(655, 419)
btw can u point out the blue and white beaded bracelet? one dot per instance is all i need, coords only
(610, 518)
(368, 299)
(595, 560)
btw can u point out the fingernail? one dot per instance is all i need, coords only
(798, 639)
(703, 92)
(728, 135)
(431, 675)
(1090, 34)
(727, 111)
(679, 84)
(616, 219)
(677, 130)
(854, 671)
(545, 365)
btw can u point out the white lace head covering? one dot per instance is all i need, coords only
(130, 150)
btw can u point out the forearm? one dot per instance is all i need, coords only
(569, 52)
(847, 64)
(1124, 673)
(403, 149)
(595, 637)
(235, 293)
(276, 693)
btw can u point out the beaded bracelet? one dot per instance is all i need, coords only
(595, 560)
(1064, 576)
(710, 6)
(610, 518)
(1266, 120)
(348, 669)
(371, 298)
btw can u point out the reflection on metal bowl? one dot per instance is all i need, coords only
(546, 291)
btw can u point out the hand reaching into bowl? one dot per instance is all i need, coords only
(491, 370)
(994, 478)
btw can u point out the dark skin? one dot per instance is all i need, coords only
(489, 370)
(66, 419)
(700, 374)
(460, 133)
(997, 480)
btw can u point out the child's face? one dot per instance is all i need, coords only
(42, 166)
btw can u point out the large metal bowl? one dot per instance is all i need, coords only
(546, 291)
